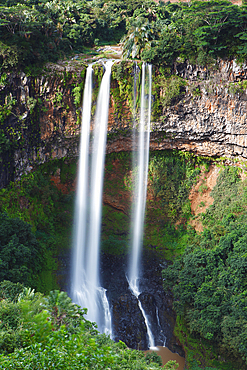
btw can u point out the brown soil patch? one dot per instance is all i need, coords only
(114, 194)
(200, 198)
(65, 188)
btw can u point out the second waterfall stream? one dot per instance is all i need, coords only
(141, 160)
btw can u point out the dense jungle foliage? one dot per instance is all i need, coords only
(198, 31)
(43, 332)
(209, 279)
(33, 32)
(36, 219)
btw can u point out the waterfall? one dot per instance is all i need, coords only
(140, 190)
(79, 281)
(96, 187)
(107, 329)
(86, 289)
(140, 181)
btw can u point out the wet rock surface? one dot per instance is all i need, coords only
(128, 322)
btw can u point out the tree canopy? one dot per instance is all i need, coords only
(20, 257)
(200, 31)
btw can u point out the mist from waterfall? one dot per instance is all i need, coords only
(140, 189)
(86, 289)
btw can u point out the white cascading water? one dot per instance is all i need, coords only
(107, 329)
(96, 189)
(79, 280)
(86, 289)
(157, 316)
(140, 190)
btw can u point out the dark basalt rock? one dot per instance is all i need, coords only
(128, 322)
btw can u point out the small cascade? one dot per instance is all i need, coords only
(140, 190)
(86, 289)
(157, 316)
(134, 289)
(107, 313)
(159, 326)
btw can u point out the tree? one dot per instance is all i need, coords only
(166, 49)
(29, 338)
(138, 37)
(20, 257)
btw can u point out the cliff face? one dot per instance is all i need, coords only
(40, 117)
(36, 117)
(211, 118)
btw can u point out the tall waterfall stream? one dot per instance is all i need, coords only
(86, 287)
(140, 190)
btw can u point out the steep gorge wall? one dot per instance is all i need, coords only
(211, 118)
(40, 116)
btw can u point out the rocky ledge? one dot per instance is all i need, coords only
(208, 118)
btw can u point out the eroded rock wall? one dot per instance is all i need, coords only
(211, 117)
(37, 118)
(40, 117)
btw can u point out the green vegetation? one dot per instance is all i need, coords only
(38, 332)
(115, 236)
(123, 90)
(208, 275)
(171, 87)
(20, 252)
(171, 176)
(35, 200)
(38, 32)
(201, 353)
(237, 87)
(209, 279)
(198, 31)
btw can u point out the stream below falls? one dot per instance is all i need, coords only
(167, 355)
